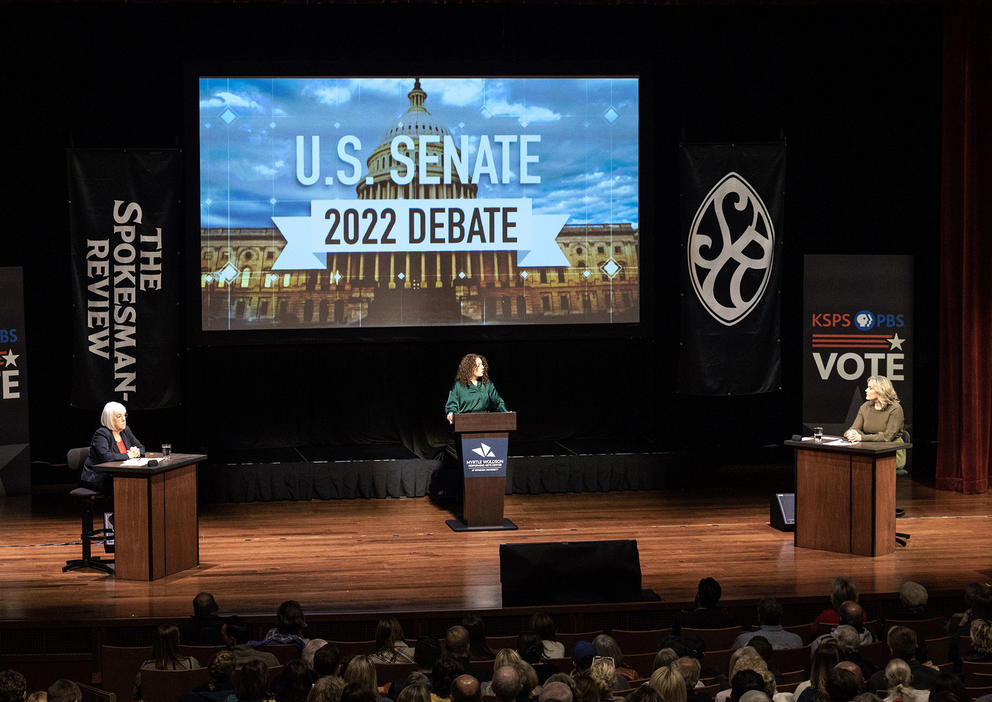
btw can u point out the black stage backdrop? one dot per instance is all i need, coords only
(859, 117)
(125, 230)
(15, 458)
(733, 206)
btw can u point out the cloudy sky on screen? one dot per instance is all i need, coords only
(588, 165)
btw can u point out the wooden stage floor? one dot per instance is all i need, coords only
(398, 555)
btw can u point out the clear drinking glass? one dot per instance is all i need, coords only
(166, 450)
(818, 435)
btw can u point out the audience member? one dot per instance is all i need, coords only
(555, 692)
(544, 625)
(668, 682)
(13, 686)
(587, 688)
(361, 670)
(842, 685)
(824, 659)
(689, 667)
(770, 620)
(354, 692)
(849, 642)
(426, 651)
(221, 683)
(705, 614)
(478, 649)
(899, 683)
(747, 658)
(205, 627)
(854, 670)
(949, 685)
(251, 682)
(755, 696)
(447, 668)
(582, 654)
(238, 633)
(913, 599)
(389, 644)
(327, 661)
(902, 645)
(457, 643)
(37, 696)
(665, 656)
(644, 693)
(63, 690)
(290, 625)
(329, 688)
(506, 683)
(566, 680)
(294, 682)
(978, 605)
(604, 674)
(531, 649)
(867, 697)
(841, 591)
(981, 642)
(465, 688)
(743, 681)
(415, 692)
(310, 650)
(165, 655)
(850, 613)
(608, 647)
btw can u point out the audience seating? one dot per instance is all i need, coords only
(710, 690)
(643, 663)
(347, 648)
(290, 652)
(204, 654)
(974, 673)
(499, 642)
(924, 628)
(170, 685)
(95, 694)
(720, 660)
(792, 658)
(640, 641)
(871, 625)
(119, 664)
(274, 672)
(793, 676)
(939, 649)
(976, 692)
(562, 665)
(715, 639)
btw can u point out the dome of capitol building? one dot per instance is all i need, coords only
(416, 122)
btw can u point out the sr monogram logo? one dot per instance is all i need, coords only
(730, 251)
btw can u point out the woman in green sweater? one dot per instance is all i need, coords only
(880, 417)
(473, 391)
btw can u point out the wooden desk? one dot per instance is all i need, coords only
(156, 527)
(846, 496)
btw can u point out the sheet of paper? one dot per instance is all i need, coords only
(139, 462)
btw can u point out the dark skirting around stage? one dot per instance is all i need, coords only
(390, 470)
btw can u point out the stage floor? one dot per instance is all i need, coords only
(396, 554)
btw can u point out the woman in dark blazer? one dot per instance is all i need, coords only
(114, 441)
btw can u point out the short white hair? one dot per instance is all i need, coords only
(109, 410)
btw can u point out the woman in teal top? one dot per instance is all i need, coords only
(473, 391)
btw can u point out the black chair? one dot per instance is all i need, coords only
(902, 536)
(89, 536)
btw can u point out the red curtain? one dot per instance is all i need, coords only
(965, 405)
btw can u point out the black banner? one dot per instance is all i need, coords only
(15, 458)
(125, 228)
(732, 212)
(858, 322)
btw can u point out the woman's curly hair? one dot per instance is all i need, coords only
(466, 369)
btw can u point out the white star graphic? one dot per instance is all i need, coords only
(895, 342)
(10, 358)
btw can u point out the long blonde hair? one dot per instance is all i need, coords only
(884, 390)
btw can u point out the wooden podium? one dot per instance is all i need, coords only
(483, 438)
(846, 496)
(156, 528)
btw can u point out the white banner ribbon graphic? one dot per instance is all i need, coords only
(392, 226)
